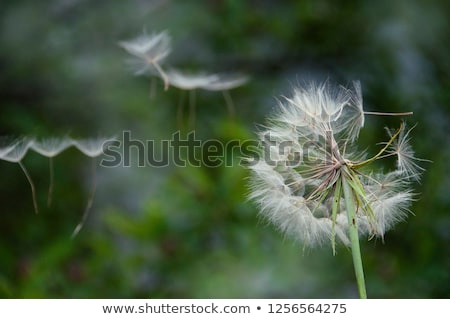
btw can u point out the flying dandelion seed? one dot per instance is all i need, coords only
(189, 82)
(149, 52)
(91, 148)
(15, 153)
(225, 83)
(205, 81)
(50, 148)
(327, 191)
(406, 160)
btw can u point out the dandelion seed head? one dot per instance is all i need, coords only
(308, 149)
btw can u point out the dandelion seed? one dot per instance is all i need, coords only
(6, 149)
(328, 192)
(91, 148)
(224, 84)
(14, 153)
(406, 160)
(389, 196)
(190, 81)
(149, 51)
(89, 202)
(205, 81)
(50, 148)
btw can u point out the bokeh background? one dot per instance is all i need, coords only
(190, 232)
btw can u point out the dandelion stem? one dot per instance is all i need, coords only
(33, 189)
(389, 114)
(152, 88)
(180, 110)
(229, 103)
(90, 201)
(50, 185)
(335, 210)
(354, 239)
(192, 114)
(163, 75)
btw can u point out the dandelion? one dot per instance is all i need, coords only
(190, 81)
(149, 51)
(224, 84)
(93, 148)
(205, 81)
(314, 185)
(14, 153)
(50, 148)
(406, 161)
(6, 149)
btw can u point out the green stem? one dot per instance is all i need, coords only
(374, 158)
(354, 240)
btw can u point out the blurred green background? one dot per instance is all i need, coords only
(190, 232)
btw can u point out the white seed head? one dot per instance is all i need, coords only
(308, 148)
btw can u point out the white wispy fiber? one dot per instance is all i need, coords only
(406, 160)
(204, 80)
(50, 147)
(149, 51)
(16, 150)
(190, 81)
(226, 82)
(92, 147)
(308, 149)
(6, 149)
